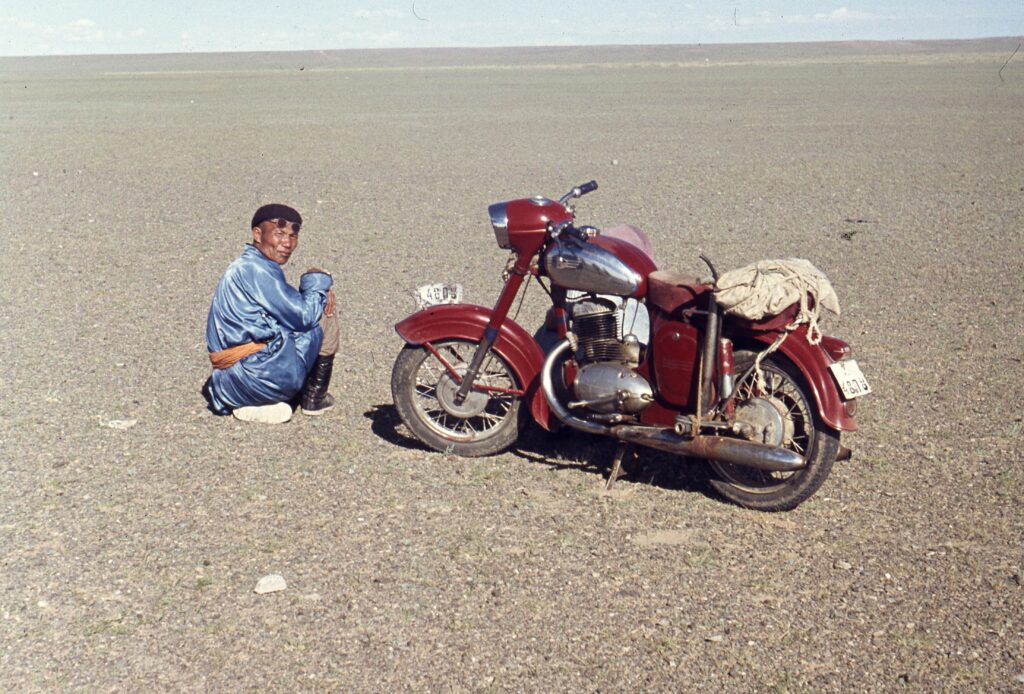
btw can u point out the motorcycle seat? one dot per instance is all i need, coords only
(672, 291)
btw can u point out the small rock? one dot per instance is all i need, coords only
(120, 424)
(844, 565)
(615, 162)
(271, 583)
(1020, 677)
(715, 638)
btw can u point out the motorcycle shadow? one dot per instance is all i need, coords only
(571, 450)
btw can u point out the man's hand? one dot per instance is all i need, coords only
(329, 308)
(316, 269)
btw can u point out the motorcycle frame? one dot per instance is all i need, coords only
(493, 329)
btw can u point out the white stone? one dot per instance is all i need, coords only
(120, 423)
(271, 583)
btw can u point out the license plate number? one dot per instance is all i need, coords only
(850, 378)
(438, 293)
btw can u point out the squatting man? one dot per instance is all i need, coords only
(271, 345)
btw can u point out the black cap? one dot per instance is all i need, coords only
(276, 211)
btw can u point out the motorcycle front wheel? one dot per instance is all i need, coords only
(424, 390)
(787, 417)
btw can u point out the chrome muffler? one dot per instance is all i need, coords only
(722, 449)
(726, 450)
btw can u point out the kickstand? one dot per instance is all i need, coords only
(620, 452)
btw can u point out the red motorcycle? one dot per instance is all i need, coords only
(641, 355)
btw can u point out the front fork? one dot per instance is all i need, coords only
(508, 294)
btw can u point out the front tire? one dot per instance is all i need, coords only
(794, 423)
(423, 390)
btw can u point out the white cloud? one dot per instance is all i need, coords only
(30, 37)
(845, 14)
(836, 16)
(23, 24)
(79, 31)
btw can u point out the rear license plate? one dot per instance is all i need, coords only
(850, 378)
(434, 294)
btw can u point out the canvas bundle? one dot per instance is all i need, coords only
(769, 287)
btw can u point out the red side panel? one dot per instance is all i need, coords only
(676, 360)
(467, 322)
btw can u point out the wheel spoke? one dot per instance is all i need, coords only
(434, 387)
(491, 417)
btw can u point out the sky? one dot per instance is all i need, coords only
(77, 27)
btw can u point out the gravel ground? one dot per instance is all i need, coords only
(130, 555)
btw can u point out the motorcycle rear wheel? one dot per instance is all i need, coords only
(423, 391)
(804, 432)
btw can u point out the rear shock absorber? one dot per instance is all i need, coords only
(726, 368)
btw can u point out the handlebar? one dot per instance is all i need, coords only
(579, 191)
(582, 234)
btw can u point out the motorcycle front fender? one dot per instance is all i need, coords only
(813, 362)
(468, 322)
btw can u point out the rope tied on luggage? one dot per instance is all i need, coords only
(769, 287)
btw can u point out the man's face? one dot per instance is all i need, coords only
(277, 239)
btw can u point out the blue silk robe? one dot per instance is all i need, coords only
(254, 303)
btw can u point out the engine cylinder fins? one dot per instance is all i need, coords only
(596, 325)
(598, 330)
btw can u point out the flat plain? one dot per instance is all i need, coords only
(134, 524)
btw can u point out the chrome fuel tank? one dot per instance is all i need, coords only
(590, 268)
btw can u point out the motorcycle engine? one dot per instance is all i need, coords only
(607, 381)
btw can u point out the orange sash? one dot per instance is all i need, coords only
(232, 355)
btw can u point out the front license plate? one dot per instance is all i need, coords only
(850, 379)
(434, 294)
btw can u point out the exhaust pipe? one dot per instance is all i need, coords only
(548, 386)
(726, 450)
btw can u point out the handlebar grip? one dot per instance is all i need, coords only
(588, 187)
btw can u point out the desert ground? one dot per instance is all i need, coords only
(134, 524)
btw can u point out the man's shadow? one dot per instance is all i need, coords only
(568, 449)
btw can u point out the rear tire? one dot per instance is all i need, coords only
(802, 430)
(422, 388)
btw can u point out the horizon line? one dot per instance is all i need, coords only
(513, 47)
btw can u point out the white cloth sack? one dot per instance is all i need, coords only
(768, 287)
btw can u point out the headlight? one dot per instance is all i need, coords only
(499, 220)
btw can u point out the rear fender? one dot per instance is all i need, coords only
(468, 322)
(813, 362)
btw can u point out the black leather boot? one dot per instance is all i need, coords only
(315, 398)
